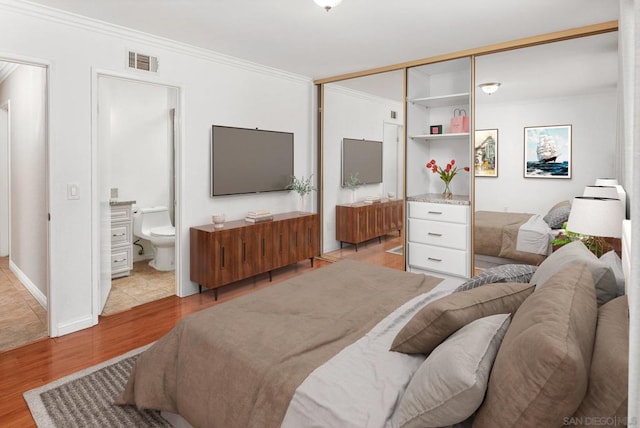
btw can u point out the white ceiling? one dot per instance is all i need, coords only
(300, 37)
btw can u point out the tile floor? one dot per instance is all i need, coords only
(23, 320)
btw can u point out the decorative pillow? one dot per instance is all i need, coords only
(504, 273)
(607, 394)
(438, 320)
(576, 252)
(450, 385)
(541, 372)
(558, 214)
(612, 260)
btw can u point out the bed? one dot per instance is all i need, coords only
(248, 362)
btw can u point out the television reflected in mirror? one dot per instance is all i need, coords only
(247, 160)
(361, 159)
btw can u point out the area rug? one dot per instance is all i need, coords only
(85, 398)
(396, 250)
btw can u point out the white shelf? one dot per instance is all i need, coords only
(435, 137)
(442, 101)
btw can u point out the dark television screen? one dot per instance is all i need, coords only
(250, 160)
(363, 157)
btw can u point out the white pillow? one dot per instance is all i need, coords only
(450, 385)
(612, 260)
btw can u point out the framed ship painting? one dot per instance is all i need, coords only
(486, 153)
(547, 151)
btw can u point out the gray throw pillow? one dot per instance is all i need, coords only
(612, 260)
(504, 273)
(557, 216)
(573, 253)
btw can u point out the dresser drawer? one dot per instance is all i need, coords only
(445, 260)
(121, 234)
(439, 212)
(121, 260)
(439, 233)
(120, 213)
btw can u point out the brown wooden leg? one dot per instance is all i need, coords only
(215, 294)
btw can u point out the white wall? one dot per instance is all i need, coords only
(25, 88)
(351, 114)
(215, 90)
(593, 120)
(4, 182)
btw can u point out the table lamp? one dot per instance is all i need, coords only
(596, 218)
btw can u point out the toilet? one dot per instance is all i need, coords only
(154, 225)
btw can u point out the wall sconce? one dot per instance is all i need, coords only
(327, 4)
(489, 88)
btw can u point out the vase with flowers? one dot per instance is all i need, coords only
(446, 174)
(302, 186)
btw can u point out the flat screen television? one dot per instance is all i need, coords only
(361, 157)
(247, 160)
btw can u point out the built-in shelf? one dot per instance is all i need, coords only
(442, 101)
(440, 137)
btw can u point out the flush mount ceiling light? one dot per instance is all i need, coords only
(489, 88)
(327, 4)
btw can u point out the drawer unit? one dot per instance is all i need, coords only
(121, 239)
(439, 212)
(450, 235)
(439, 238)
(439, 259)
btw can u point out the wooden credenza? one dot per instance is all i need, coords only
(241, 249)
(360, 222)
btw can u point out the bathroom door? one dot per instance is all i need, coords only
(104, 156)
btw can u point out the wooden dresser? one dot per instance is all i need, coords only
(360, 222)
(241, 249)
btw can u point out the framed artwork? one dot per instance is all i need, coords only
(547, 151)
(486, 153)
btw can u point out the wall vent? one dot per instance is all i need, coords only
(394, 114)
(143, 62)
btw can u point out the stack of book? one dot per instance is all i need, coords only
(372, 199)
(258, 216)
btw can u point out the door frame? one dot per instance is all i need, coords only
(47, 66)
(95, 179)
(7, 107)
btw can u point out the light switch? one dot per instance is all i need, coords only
(73, 191)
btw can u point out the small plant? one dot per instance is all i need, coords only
(353, 183)
(302, 185)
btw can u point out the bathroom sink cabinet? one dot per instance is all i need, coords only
(121, 239)
(241, 249)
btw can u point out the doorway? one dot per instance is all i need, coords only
(137, 123)
(24, 204)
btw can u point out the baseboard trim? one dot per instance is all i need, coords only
(75, 325)
(30, 286)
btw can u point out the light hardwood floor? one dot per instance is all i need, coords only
(42, 362)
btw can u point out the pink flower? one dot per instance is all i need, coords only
(453, 162)
(466, 168)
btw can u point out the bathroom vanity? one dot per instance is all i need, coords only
(121, 238)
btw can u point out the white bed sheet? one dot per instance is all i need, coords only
(362, 385)
(535, 236)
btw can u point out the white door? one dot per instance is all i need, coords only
(4, 181)
(104, 157)
(393, 169)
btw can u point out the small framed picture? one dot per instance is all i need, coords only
(547, 151)
(435, 129)
(486, 153)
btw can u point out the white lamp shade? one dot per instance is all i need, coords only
(606, 182)
(601, 192)
(596, 217)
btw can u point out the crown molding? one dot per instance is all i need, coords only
(39, 11)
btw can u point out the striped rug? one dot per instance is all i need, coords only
(85, 398)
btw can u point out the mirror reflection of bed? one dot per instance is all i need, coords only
(369, 108)
(571, 82)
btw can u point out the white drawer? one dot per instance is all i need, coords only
(120, 213)
(445, 260)
(121, 260)
(451, 235)
(121, 234)
(439, 212)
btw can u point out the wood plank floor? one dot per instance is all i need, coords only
(42, 362)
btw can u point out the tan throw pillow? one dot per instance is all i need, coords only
(607, 394)
(450, 385)
(541, 371)
(438, 320)
(576, 252)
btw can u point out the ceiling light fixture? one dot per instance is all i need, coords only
(327, 4)
(489, 88)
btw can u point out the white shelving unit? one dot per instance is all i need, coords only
(443, 100)
(440, 137)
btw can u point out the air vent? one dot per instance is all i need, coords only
(394, 114)
(143, 62)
